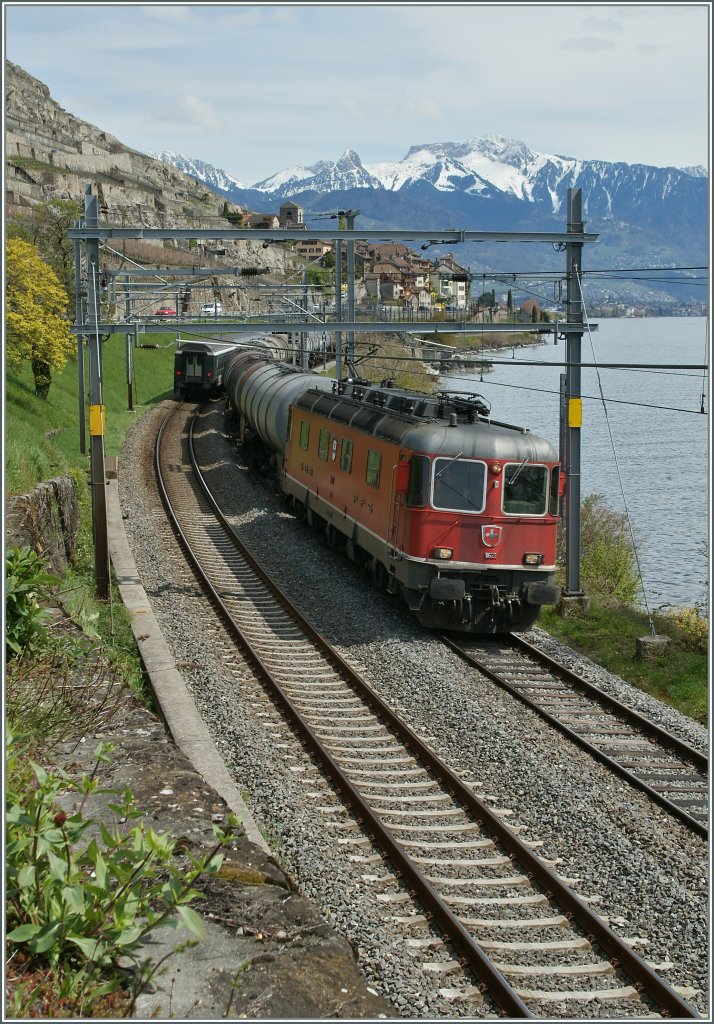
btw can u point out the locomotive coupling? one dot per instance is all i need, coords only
(441, 589)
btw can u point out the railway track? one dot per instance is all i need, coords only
(668, 770)
(508, 932)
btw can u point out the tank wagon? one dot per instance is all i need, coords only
(452, 511)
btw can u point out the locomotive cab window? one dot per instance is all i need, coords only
(418, 493)
(346, 456)
(323, 445)
(374, 468)
(459, 485)
(304, 435)
(525, 489)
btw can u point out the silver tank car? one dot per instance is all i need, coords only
(261, 391)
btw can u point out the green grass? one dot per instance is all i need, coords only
(607, 635)
(42, 436)
(30, 164)
(43, 441)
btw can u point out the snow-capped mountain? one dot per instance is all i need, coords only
(645, 216)
(324, 176)
(483, 167)
(214, 177)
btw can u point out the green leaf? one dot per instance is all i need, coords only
(26, 876)
(46, 937)
(73, 896)
(128, 937)
(100, 869)
(40, 773)
(192, 921)
(23, 933)
(93, 949)
(58, 867)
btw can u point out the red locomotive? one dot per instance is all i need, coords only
(454, 512)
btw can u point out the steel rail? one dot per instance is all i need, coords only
(650, 729)
(492, 982)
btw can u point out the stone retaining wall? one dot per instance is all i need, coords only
(47, 520)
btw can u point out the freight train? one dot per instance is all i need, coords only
(200, 363)
(452, 511)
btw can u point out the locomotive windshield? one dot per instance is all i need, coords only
(459, 485)
(525, 489)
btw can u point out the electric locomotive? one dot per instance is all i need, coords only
(449, 509)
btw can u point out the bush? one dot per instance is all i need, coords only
(82, 896)
(607, 558)
(691, 629)
(26, 583)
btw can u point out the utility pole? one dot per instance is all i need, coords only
(304, 334)
(129, 368)
(338, 308)
(573, 593)
(349, 216)
(79, 316)
(97, 413)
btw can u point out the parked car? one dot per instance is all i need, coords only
(165, 311)
(211, 309)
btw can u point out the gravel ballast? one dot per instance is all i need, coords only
(650, 873)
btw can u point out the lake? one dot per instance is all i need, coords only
(660, 439)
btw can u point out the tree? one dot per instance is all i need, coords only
(47, 227)
(36, 308)
(509, 301)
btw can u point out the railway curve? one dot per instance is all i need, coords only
(363, 747)
(407, 962)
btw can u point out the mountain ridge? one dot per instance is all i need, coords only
(645, 216)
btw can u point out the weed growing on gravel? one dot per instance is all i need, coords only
(81, 895)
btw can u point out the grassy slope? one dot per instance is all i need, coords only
(42, 437)
(43, 441)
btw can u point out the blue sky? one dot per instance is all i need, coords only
(255, 88)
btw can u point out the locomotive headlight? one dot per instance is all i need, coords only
(532, 558)
(496, 467)
(443, 553)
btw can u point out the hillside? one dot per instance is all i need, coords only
(51, 154)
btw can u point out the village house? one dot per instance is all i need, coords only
(261, 220)
(419, 299)
(450, 281)
(312, 249)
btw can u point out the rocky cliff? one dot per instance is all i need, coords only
(51, 154)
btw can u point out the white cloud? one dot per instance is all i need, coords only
(257, 87)
(603, 24)
(198, 112)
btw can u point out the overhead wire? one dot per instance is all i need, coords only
(594, 398)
